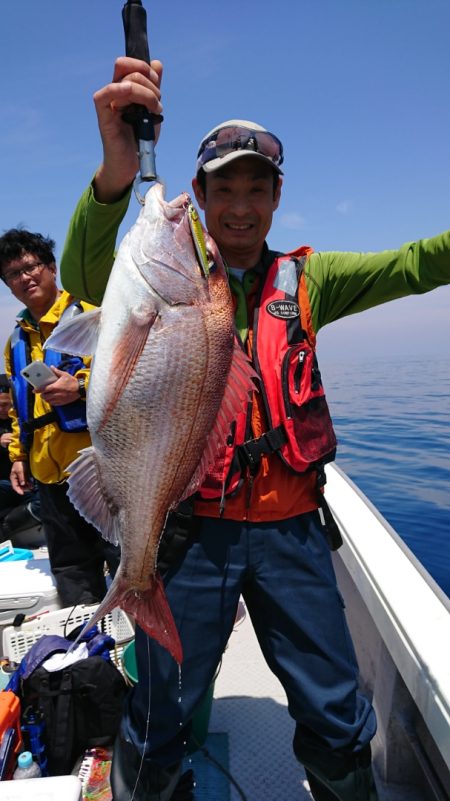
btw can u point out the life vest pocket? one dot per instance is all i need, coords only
(305, 406)
(301, 378)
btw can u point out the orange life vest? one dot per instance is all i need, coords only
(300, 430)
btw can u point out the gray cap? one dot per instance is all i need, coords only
(245, 139)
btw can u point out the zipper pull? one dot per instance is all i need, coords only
(298, 371)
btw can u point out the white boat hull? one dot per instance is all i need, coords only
(400, 624)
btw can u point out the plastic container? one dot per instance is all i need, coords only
(33, 730)
(200, 721)
(129, 663)
(10, 554)
(53, 788)
(26, 768)
(18, 640)
(10, 732)
(26, 587)
(6, 670)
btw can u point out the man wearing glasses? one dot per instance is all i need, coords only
(49, 426)
(271, 538)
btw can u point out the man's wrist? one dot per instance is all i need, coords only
(109, 190)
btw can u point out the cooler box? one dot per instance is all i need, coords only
(53, 788)
(27, 587)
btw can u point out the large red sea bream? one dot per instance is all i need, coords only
(166, 381)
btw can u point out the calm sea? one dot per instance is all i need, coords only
(393, 425)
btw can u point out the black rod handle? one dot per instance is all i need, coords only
(134, 18)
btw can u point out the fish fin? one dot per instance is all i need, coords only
(86, 494)
(150, 608)
(78, 336)
(240, 384)
(151, 611)
(126, 355)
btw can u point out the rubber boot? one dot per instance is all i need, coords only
(342, 777)
(356, 786)
(318, 790)
(132, 777)
(184, 790)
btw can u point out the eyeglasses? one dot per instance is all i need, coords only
(228, 140)
(11, 276)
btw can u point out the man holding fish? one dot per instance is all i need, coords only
(261, 526)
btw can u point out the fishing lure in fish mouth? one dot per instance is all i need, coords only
(198, 239)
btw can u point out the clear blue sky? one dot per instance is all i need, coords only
(358, 90)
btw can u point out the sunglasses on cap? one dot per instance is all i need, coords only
(236, 138)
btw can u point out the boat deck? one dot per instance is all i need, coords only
(250, 707)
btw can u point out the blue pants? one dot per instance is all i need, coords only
(285, 575)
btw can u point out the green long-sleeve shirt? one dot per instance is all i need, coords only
(338, 283)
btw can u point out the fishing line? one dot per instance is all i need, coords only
(75, 642)
(147, 724)
(67, 620)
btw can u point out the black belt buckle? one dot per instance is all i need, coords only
(269, 442)
(250, 453)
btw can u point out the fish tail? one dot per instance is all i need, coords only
(150, 609)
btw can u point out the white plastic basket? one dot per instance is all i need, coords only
(18, 640)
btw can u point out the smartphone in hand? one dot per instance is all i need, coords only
(38, 374)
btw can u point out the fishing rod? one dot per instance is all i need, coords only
(134, 18)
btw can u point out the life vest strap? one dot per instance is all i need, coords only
(250, 452)
(29, 426)
(328, 521)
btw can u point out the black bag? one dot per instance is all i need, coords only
(81, 706)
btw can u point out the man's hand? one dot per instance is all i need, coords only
(136, 82)
(20, 478)
(5, 439)
(64, 390)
